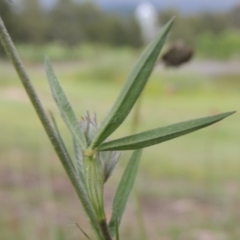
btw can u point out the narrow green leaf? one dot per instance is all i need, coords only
(123, 191)
(158, 135)
(132, 88)
(79, 160)
(117, 228)
(64, 107)
(60, 140)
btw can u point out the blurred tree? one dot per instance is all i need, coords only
(73, 23)
(234, 17)
(64, 24)
(32, 22)
(190, 27)
(91, 19)
(166, 15)
(183, 27)
(8, 17)
(133, 32)
(212, 22)
(6, 13)
(119, 32)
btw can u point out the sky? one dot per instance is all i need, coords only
(182, 5)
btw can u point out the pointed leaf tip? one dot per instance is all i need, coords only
(158, 135)
(63, 105)
(133, 87)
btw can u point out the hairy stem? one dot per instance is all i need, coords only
(80, 189)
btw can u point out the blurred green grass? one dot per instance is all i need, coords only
(202, 169)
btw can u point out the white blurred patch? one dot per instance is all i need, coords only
(147, 17)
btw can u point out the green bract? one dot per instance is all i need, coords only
(95, 156)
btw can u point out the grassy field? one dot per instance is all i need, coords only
(188, 187)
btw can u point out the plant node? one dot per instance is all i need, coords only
(89, 152)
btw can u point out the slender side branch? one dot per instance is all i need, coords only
(13, 55)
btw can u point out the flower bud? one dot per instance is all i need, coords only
(97, 166)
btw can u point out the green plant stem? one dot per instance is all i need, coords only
(104, 229)
(139, 211)
(136, 115)
(140, 218)
(16, 61)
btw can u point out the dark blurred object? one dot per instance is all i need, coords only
(177, 54)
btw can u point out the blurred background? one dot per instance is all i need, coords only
(188, 188)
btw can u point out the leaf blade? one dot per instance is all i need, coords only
(158, 135)
(60, 140)
(64, 106)
(123, 191)
(79, 161)
(132, 87)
